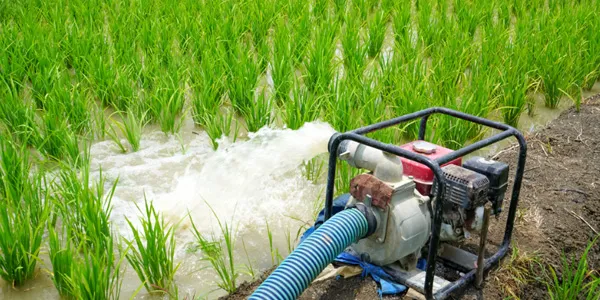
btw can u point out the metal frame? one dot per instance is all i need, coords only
(357, 135)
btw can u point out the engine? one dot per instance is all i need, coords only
(398, 190)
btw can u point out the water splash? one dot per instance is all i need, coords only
(247, 183)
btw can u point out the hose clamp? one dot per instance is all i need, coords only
(369, 215)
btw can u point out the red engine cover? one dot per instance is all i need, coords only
(423, 176)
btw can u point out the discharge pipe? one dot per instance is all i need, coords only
(385, 166)
(305, 263)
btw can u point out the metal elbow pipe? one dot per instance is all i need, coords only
(387, 167)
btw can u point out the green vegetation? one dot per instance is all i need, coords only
(219, 253)
(152, 252)
(83, 252)
(23, 214)
(68, 67)
(576, 279)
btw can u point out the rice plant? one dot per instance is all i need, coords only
(24, 212)
(131, 128)
(274, 251)
(259, 114)
(167, 102)
(301, 108)
(514, 85)
(377, 29)
(219, 125)
(97, 272)
(401, 22)
(219, 253)
(283, 66)
(95, 267)
(319, 67)
(355, 52)
(243, 72)
(85, 207)
(301, 32)
(152, 251)
(16, 116)
(208, 85)
(62, 258)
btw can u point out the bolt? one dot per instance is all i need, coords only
(379, 240)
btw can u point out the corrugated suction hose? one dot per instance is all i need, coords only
(305, 263)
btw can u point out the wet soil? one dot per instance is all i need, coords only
(558, 215)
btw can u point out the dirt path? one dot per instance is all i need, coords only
(559, 211)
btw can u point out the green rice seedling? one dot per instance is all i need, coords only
(43, 81)
(449, 65)
(22, 231)
(243, 72)
(301, 32)
(68, 100)
(167, 102)
(99, 124)
(85, 208)
(15, 168)
(514, 83)
(18, 117)
(427, 30)
(412, 92)
(23, 215)
(301, 108)
(219, 125)
(340, 111)
(313, 169)
(131, 128)
(555, 76)
(282, 69)
(387, 76)
(62, 258)
(152, 251)
(218, 255)
(114, 136)
(320, 10)
(355, 52)
(467, 16)
(259, 114)
(96, 273)
(208, 85)
(274, 251)
(576, 281)
(363, 8)
(58, 141)
(377, 28)
(90, 249)
(401, 22)
(260, 17)
(319, 67)
(370, 103)
(339, 7)
(250, 271)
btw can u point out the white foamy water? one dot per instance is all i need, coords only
(247, 183)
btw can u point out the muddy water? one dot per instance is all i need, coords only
(246, 184)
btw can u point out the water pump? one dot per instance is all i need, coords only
(415, 201)
(430, 203)
(399, 198)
